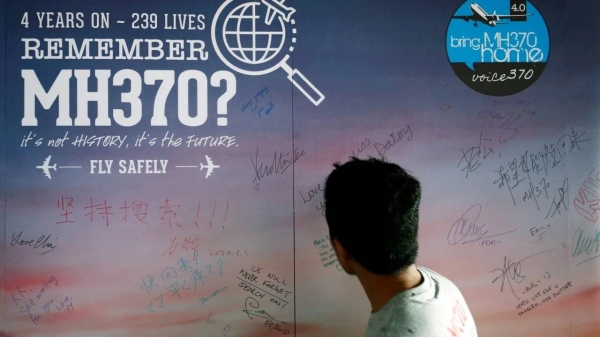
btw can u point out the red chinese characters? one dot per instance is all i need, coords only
(188, 243)
(169, 215)
(65, 204)
(103, 210)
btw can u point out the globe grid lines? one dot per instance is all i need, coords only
(248, 54)
(268, 51)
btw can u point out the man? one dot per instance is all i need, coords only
(372, 210)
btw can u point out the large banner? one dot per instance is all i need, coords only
(164, 161)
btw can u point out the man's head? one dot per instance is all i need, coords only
(372, 210)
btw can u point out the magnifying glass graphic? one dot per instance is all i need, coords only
(251, 46)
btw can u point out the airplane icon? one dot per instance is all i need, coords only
(209, 166)
(46, 167)
(479, 15)
(275, 7)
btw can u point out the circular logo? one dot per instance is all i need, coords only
(253, 38)
(498, 47)
(243, 39)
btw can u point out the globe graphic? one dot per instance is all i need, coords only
(248, 38)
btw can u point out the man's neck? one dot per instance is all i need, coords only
(381, 288)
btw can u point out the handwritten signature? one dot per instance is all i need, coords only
(396, 137)
(587, 245)
(512, 271)
(556, 206)
(42, 242)
(508, 131)
(253, 303)
(505, 120)
(281, 162)
(540, 231)
(472, 155)
(466, 228)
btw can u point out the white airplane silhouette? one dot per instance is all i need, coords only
(480, 15)
(275, 7)
(209, 166)
(46, 167)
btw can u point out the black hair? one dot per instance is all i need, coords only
(372, 209)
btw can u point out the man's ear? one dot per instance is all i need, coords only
(340, 250)
(344, 257)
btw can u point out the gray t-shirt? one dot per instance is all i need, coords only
(435, 308)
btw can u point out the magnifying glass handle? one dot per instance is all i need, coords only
(306, 87)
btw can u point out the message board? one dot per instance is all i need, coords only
(164, 162)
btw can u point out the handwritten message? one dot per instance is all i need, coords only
(34, 303)
(326, 253)
(253, 282)
(541, 297)
(316, 192)
(512, 273)
(185, 277)
(259, 104)
(166, 213)
(258, 285)
(537, 165)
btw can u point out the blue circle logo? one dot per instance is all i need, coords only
(498, 47)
